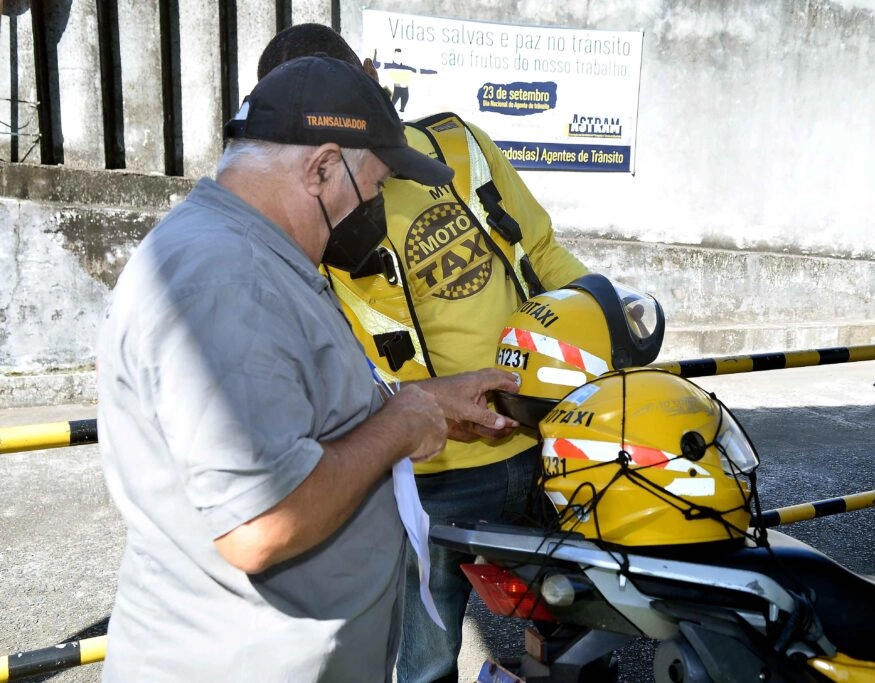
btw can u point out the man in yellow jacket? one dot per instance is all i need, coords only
(430, 303)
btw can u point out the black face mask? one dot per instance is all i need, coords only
(353, 239)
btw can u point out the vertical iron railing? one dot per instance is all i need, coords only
(49, 21)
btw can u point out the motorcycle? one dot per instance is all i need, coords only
(653, 526)
(721, 616)
(657, 532)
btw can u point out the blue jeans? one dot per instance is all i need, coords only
(492, 493)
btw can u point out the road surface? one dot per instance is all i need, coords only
(61, 539)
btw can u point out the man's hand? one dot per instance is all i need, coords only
(410, 423)
(462, 397)
(418, 413)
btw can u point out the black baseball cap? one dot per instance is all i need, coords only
(314, 100)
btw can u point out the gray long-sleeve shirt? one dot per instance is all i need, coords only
(223, 361)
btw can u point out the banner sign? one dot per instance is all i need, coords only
(553, 99)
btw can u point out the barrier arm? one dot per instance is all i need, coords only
(21, 665)
(78, 432)
(757, 362)
(49, 435)
(820, 508)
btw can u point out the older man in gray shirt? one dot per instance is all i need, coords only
(242, 435)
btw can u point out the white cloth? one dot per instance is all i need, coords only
(413, 516)
(415, 521)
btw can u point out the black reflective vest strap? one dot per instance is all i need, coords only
(508, 266)
(380, 262)
(509, 229)
(396, 347)
(506, 226)
(533, 282)
(491, 192)
(414, 319)
(499, 220)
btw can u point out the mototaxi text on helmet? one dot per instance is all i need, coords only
(561, 339)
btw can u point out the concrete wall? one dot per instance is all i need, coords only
(66, 235)
(750, 217)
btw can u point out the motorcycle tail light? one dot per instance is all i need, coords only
(506, 594)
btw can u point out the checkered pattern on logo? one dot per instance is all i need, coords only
(437, 257)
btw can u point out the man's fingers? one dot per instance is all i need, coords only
(492, 434)
(490, 419)
(493, 378)
(466, 432)
(461, 431)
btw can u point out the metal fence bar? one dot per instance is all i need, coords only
(14, 128)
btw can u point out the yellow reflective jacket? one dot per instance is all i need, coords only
(456, 262)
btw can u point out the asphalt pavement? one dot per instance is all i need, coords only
(61, 538)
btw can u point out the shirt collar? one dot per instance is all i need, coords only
(211, 194)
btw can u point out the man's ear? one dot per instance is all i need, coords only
(320, 167)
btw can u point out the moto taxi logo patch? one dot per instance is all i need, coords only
(446, 255)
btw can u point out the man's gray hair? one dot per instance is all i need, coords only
(260, 155)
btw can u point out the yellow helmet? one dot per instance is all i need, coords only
(561, 339)
(643, 457)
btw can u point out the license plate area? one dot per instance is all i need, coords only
(493, 672)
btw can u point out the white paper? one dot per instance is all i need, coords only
(415, 521)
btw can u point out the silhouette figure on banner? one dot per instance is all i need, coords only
(401, 75)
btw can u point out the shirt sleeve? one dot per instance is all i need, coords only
(553, 263)
(233, 388)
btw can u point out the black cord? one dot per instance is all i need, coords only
(565, 523)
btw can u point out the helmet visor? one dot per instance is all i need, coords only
(736, 451)
(640, 309)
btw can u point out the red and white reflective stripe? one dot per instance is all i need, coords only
(554, 348)
(604, 451)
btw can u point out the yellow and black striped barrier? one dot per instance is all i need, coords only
(49, 435)
(820, 508)
(757, 362)
(20, 665)
(78, 432)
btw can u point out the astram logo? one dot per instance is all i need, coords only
(595, 127)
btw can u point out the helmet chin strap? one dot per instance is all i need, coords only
(623, 452)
